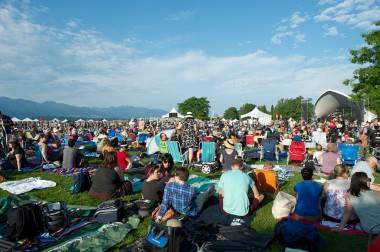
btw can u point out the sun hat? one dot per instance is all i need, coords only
(123, 143)
(189, 115)
(229, 144)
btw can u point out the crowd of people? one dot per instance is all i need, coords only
(349, 196)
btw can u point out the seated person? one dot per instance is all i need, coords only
(15, 158)
(163, 144)
(71, 155)
(108, 181)
(49, 154)
(364, 202)
(153, 187)
(234, 189)
(123, 159)
(179, 196)
(368, 167)
(329, 159)
(308, 194)
(318, 154)
(167, 165)
(335, 190)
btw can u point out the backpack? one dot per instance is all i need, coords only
(294, 234)
(82, 182)
(110, 211)
(24, 222)
(55, 216)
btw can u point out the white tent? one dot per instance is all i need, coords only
(15, 119)
(79, 120)
(36, 120)
(90, 120)
(173, 113)
(104, 120)
(65, 121)
(55, 120)
(262, 117)
(368, 116)
(27, 119)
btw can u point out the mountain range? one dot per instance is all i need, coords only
(21, 108)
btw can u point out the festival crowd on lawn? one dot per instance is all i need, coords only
(349, 195)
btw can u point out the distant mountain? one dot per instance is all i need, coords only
(24, 108)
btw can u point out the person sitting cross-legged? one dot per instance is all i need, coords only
(234, 189)
(308, 203)
(179, 196)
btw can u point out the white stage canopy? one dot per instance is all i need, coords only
(262, 117)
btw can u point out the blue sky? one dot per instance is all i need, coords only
(157, 53)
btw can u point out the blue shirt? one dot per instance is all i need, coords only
(308, 194)
(235, 185)
(180, 197)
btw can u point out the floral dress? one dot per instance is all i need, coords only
(335, 200)
(188, 134)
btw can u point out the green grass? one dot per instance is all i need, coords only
(263, 221)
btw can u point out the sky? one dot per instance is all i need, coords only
(158, 53)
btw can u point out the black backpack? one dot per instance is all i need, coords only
(82, 182)
(55, 216)
(110, 211)
(24, 222)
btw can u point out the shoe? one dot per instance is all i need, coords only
(237, 222)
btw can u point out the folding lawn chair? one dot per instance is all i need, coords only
(349, 153)
(208, 157)
(297, 151)
(267, 181)
(269, 149)
(175, 150)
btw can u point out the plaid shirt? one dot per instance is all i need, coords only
(180, 197)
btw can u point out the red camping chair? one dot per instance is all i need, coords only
(249, 140)
(297, 151)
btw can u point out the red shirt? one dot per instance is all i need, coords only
(121, 156)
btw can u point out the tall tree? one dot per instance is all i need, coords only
(263, 108)
(198, 106)
(293, 107)
(231, 113)
(246, 108)
(365, 83)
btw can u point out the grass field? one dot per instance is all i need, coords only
(263, 221)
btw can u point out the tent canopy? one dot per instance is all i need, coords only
(15, 119)
(331, 101)
(55, 120)
(27, 119)
(173, 113)
(65, 121)
(262, 117)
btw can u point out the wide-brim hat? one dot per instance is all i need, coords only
(189, 115)
(229, 143)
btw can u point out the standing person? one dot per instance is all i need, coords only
(189, 129)
(227, 155)
(123, 159)
(364, 202)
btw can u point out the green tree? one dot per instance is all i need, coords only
(246, 108)
(198, 106)
(293, 107)
(231, 113)
(365, 83)
(263, 108)
(272, 110)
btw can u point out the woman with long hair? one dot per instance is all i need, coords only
(108, 181)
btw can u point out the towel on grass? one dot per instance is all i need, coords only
(26, 185)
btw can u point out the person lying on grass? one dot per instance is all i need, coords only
(234, 189)
(308, 193)
(108, 181)
(364, 202)
(180, 198)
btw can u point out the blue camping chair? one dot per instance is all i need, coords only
(208, 156)
(269, 149)
(175, 150)
(142, 137)
(349, 153)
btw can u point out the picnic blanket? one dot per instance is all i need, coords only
(71, 172)
(201, 183)
(26, 185)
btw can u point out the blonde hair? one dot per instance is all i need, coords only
(331, 147)
(340, 170)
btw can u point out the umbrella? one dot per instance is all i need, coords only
(15, 119)
(153, 142)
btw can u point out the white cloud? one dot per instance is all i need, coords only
(331, 31)
(288, 28)
(354, 13)
(181, 15)
(82, 67)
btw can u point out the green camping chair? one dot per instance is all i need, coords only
(175, 150)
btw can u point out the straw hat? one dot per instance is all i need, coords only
(189, 115)
(229, 144)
